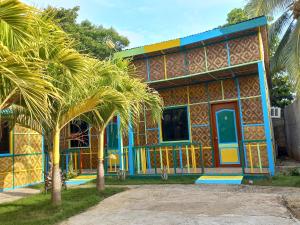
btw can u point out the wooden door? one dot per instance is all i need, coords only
(226, 133)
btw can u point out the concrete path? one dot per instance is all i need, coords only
(9, 196)
(192, 204)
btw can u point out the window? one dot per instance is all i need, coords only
(275, 112)
(4, 139)
(175, 125)
(112, 135)
(79, 132)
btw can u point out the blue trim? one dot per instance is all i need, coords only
(43, 156)
(228, 54)
(20, 186)
(241, 117)
(218, 181)
(148, 69)
(262, 83)
(130, 149)
(200, 125)
(152, 129)
(253, 125)
(218, 32)
(120, 150)
(180, 158)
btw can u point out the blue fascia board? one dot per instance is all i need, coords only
(218, 32)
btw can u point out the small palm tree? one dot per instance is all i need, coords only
(138, 96)
(287, 26)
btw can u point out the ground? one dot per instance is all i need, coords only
(193, 204)
(10, 196)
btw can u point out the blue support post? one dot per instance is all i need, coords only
(43, 157)
(120, 144)
(130, 149)
(262, 83)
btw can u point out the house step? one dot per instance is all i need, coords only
(208, 179)
(81, 179)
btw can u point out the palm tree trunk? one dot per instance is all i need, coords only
(100, 165)
(56, 178)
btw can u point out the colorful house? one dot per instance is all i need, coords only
(216, 117)
(21, 157)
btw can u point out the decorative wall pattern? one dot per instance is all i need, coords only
(192, 61)
(196, 60)
(252, 111)
(199, 114)
(157, 70)
(198, 93)
(230, 90)
(152, 137)
(141, 68)
(254, 132)
(243, 50)
(24, 165)
(249, 86)
(217, 56)
(215, 91)
(201, 135)
(175, 64)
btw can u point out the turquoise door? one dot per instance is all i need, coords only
(227, 137)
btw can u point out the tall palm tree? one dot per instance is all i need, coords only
(120, 76)
(22, 79)
(287, 26)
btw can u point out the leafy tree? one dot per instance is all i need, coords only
(287, 26)
(236, 15)
(91, 39)
(281, 94)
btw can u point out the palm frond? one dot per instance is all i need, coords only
(256, 8)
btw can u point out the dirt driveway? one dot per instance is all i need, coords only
(193, 204)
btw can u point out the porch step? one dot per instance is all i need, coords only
(219, 180)
(81, 179)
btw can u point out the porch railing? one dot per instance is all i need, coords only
(172, 158)
(255, 157)
(175, 158)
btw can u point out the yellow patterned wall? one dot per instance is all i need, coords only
(24, 165)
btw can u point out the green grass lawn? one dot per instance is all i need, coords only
(279, 180)
(37, 209)
(112, 180)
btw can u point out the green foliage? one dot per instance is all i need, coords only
(37, 209)
(236, 15)
(287, 27)
(281, 94)
(91, 39)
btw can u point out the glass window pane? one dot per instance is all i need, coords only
(79, 131)
(175, 125)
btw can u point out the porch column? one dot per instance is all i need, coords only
(130, 149)
(120, 144)
(265, 102)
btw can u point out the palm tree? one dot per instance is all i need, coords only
(138, 96)
(287, 26)
(21, 72)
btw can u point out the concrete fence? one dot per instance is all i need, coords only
(292, 129)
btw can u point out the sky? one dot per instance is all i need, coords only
(150, 21)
